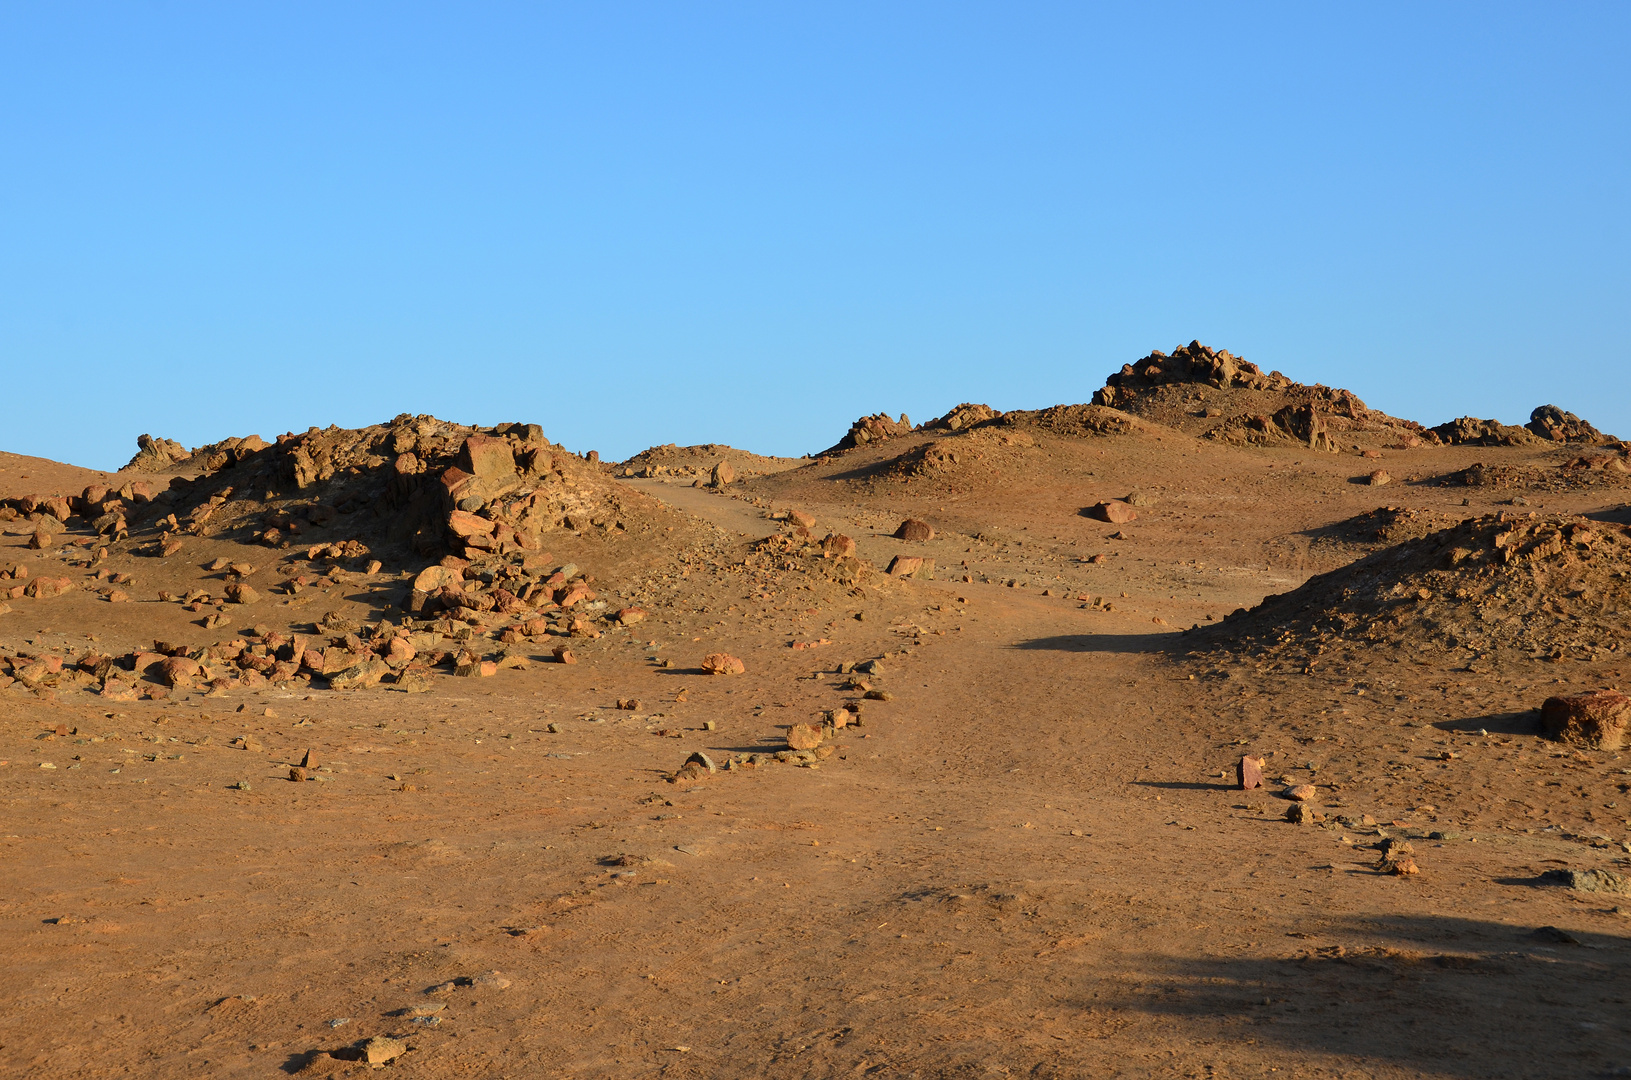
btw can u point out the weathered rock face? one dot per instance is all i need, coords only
(962, 418)
(1554, 425)
(1470, 431)
(156, 455)
(1192, 363)
(1218, 395)
(872, 429)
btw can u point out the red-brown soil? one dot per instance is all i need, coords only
(1029, 858)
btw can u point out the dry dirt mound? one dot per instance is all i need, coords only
(1383, 526)
(1212, 393)
(1582, 471)
(334, 510)
(1537, 586)
(698, 462)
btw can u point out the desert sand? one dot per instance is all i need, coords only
(448, 749)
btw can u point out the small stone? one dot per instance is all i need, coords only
(630, 615)
(1378, 478)
(553, 729)
(804, 736)
(699, 758)
(296, 773)
(492, 980)
(1302, 792)
(563, 655)
(1249, 772)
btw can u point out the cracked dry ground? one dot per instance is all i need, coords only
(1029, 862)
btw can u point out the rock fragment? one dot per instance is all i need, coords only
(913, 529)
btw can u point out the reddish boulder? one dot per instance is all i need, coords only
(722, 664)
(1597, 719)
(1116, 512)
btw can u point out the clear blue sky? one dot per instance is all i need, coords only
(660, 222)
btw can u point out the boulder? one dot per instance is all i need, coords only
(837, 546)
(723, 475)
(1116, 512)
(804, 736)
(487, 457)
(913, 529)
(360, 676)
(722, 664)
(1596, 719)
(466, 525)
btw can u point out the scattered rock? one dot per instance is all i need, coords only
(1302, 793)
(1378, 478)
(563, 655)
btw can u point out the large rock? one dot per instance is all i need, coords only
(360, 676)
(913, 529)
(466, 525)
(1597, 719)
(1554, 425)
(911, 566)
(1116, 512)
(723, 475)
(722, 664)
(836, 546)
(487, 457)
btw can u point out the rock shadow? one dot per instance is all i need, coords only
(1425, 994)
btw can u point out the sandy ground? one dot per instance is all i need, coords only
(1030, 861)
